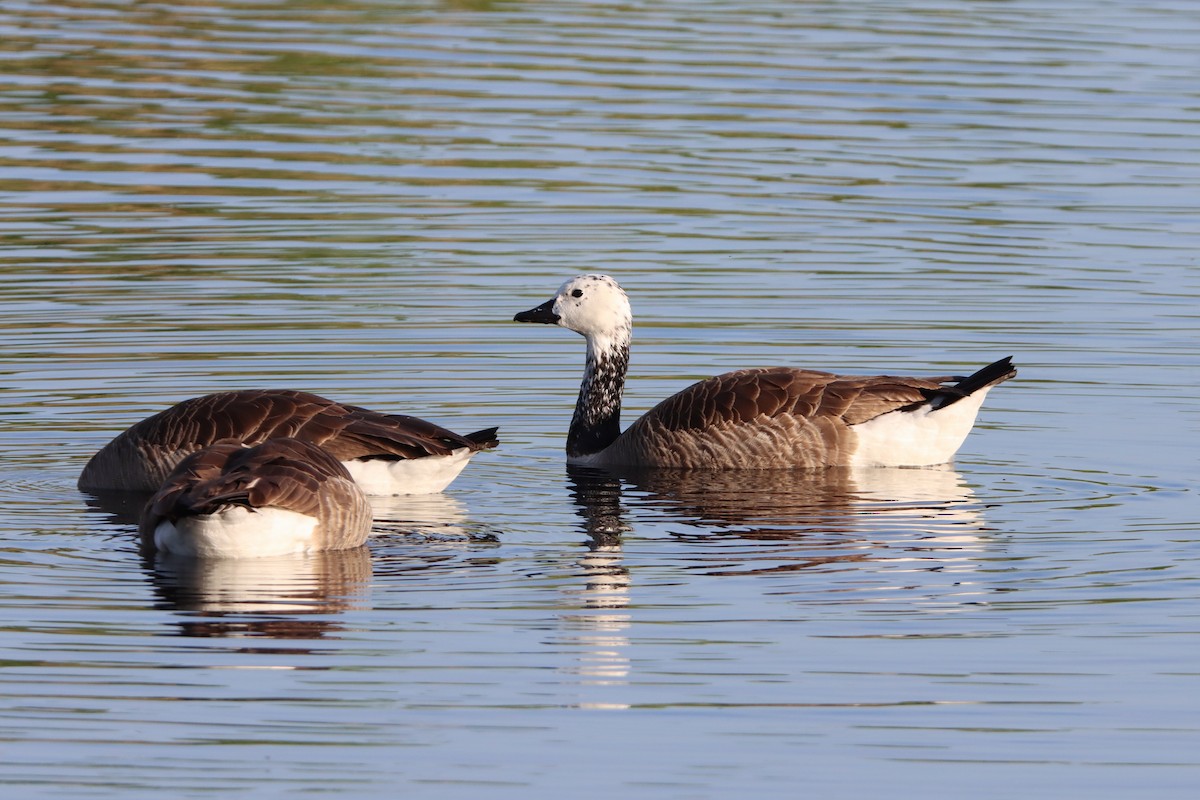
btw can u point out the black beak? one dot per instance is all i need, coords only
(543, 314)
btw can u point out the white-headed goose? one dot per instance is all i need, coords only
(777, 417)
(280, 497)
(385, 453)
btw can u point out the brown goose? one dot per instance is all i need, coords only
(776, 417)
(385, 453)
(279, 497)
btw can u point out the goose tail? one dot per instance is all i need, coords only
(996, 372)
(985, 378)
(484, 439)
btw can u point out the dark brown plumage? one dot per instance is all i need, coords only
(141, 457)
(772, 417)
(280, 474)
(744, 395)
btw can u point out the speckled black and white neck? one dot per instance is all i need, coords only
(595, 307)
(597, 420)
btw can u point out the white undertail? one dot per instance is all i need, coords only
(426, 475)
(918, 438)
(238, 532)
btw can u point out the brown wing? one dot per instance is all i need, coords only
(280, 473)
(761, 419)
(141, 456)
(750, 394)
(254, 416)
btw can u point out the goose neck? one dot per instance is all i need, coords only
(597, 420)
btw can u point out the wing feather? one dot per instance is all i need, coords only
(746, 395)
(143, 455)
(281, 473)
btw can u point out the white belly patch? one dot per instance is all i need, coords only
(238, 532)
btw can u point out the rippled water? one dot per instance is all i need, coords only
(354, 198)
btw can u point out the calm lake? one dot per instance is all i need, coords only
(354, 198)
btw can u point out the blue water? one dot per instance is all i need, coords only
(355, 198)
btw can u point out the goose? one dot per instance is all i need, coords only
(774, 417)
(385, 453)
(283, 496)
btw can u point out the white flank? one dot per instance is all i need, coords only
(425, 475)
(917, 438)
(238, 532)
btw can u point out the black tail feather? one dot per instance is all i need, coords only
(484, 439)
(993, 373)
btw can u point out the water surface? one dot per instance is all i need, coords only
(354, 199)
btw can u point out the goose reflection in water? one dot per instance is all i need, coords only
(117, 506)
(595, 630)
(797, 516)
(748, 523)
(282, 597)
(299, 596)
(432, 516)
(420, 537)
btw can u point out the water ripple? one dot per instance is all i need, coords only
(354, 199)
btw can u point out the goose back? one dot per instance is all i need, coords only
(141, 457)
(758, 419)
(282, 496)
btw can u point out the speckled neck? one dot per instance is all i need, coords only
(597, 420)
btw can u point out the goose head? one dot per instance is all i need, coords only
(592, 305)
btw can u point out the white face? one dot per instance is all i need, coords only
(593, 305)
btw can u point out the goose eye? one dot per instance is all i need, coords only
(577, 293)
